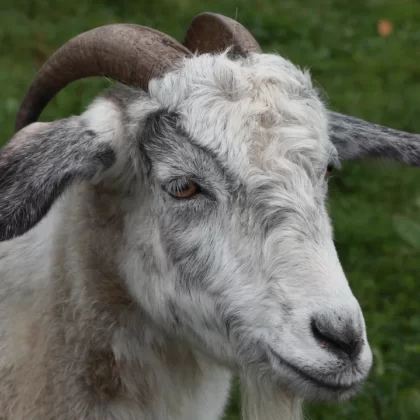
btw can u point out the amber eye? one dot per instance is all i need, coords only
(183, 189)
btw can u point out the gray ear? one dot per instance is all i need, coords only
(38, 163)
(355, 139)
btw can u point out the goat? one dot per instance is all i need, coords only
(175, 234)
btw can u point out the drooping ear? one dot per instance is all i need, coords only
(39, 162)
(357, 139)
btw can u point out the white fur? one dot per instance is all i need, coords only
(262, 119)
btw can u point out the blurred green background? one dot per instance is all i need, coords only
(375, 206)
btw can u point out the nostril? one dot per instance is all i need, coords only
(346, 341)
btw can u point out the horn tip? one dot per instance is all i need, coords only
(211, 32)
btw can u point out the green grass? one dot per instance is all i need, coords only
(361, 74)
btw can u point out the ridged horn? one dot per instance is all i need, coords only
(129, 54)
(211, 33)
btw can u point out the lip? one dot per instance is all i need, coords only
(334, 387)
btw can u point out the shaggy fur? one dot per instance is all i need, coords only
(124, 303)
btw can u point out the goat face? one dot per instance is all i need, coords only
(232, 212)
(219, 170)
(227, 243)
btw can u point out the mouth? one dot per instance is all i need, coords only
(322, 389)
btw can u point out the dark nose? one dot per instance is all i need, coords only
(341, 338)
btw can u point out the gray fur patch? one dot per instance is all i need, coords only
(35, 170)
(355, 138)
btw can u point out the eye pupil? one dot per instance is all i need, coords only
(330, 168)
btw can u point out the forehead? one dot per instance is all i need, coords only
(248, 110)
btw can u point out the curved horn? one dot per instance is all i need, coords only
(211, 32)
(129, 54)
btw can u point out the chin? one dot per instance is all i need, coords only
(320, 385)
(273, 388)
